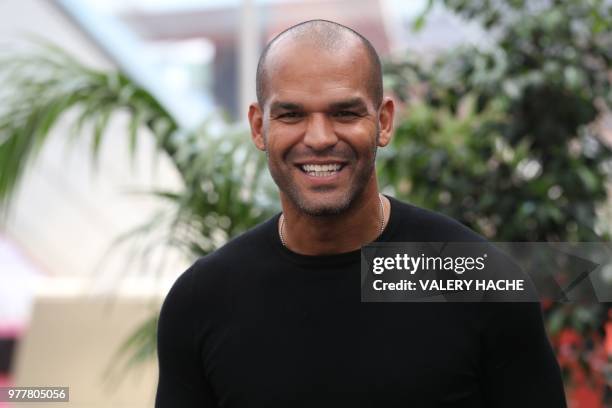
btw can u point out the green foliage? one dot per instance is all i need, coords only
(225, 191)
(510, 138)
(505, 137)
(39, 87)
(135, 350)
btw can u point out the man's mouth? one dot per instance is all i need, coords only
(321, 170)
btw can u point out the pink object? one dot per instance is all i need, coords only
(5, 381)
(14, 331)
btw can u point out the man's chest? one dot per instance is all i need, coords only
(328, 348)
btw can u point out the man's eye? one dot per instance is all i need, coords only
(344, 114)
(290, 115)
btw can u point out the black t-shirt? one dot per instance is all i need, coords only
(256, 325)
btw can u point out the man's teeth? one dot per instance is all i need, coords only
(321, 170)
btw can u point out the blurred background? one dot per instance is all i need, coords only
(124, 155)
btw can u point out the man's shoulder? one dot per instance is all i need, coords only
(421, 224)
(240, 250)
(213, 274)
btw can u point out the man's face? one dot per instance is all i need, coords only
(320, 127)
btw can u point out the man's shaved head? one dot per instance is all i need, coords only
(327, 36)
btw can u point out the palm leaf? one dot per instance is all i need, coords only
(226, 190)
(42, 85)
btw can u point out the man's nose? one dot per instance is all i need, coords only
(320, 132)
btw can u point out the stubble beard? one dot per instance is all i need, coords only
(338, 206)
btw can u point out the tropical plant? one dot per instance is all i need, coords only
(510, 138)
(224, 190)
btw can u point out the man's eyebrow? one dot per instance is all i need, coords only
(290, 106)
(354, 103)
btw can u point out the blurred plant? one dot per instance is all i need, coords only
(507, 138)
(224, 190)
(510, 138)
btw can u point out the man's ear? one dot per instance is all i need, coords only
(256, 123)
(385, 121)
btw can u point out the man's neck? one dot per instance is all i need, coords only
(324, 235)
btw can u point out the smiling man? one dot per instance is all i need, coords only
(274, 318)
(320, 117)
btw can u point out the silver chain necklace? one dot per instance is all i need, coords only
(381, 214)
